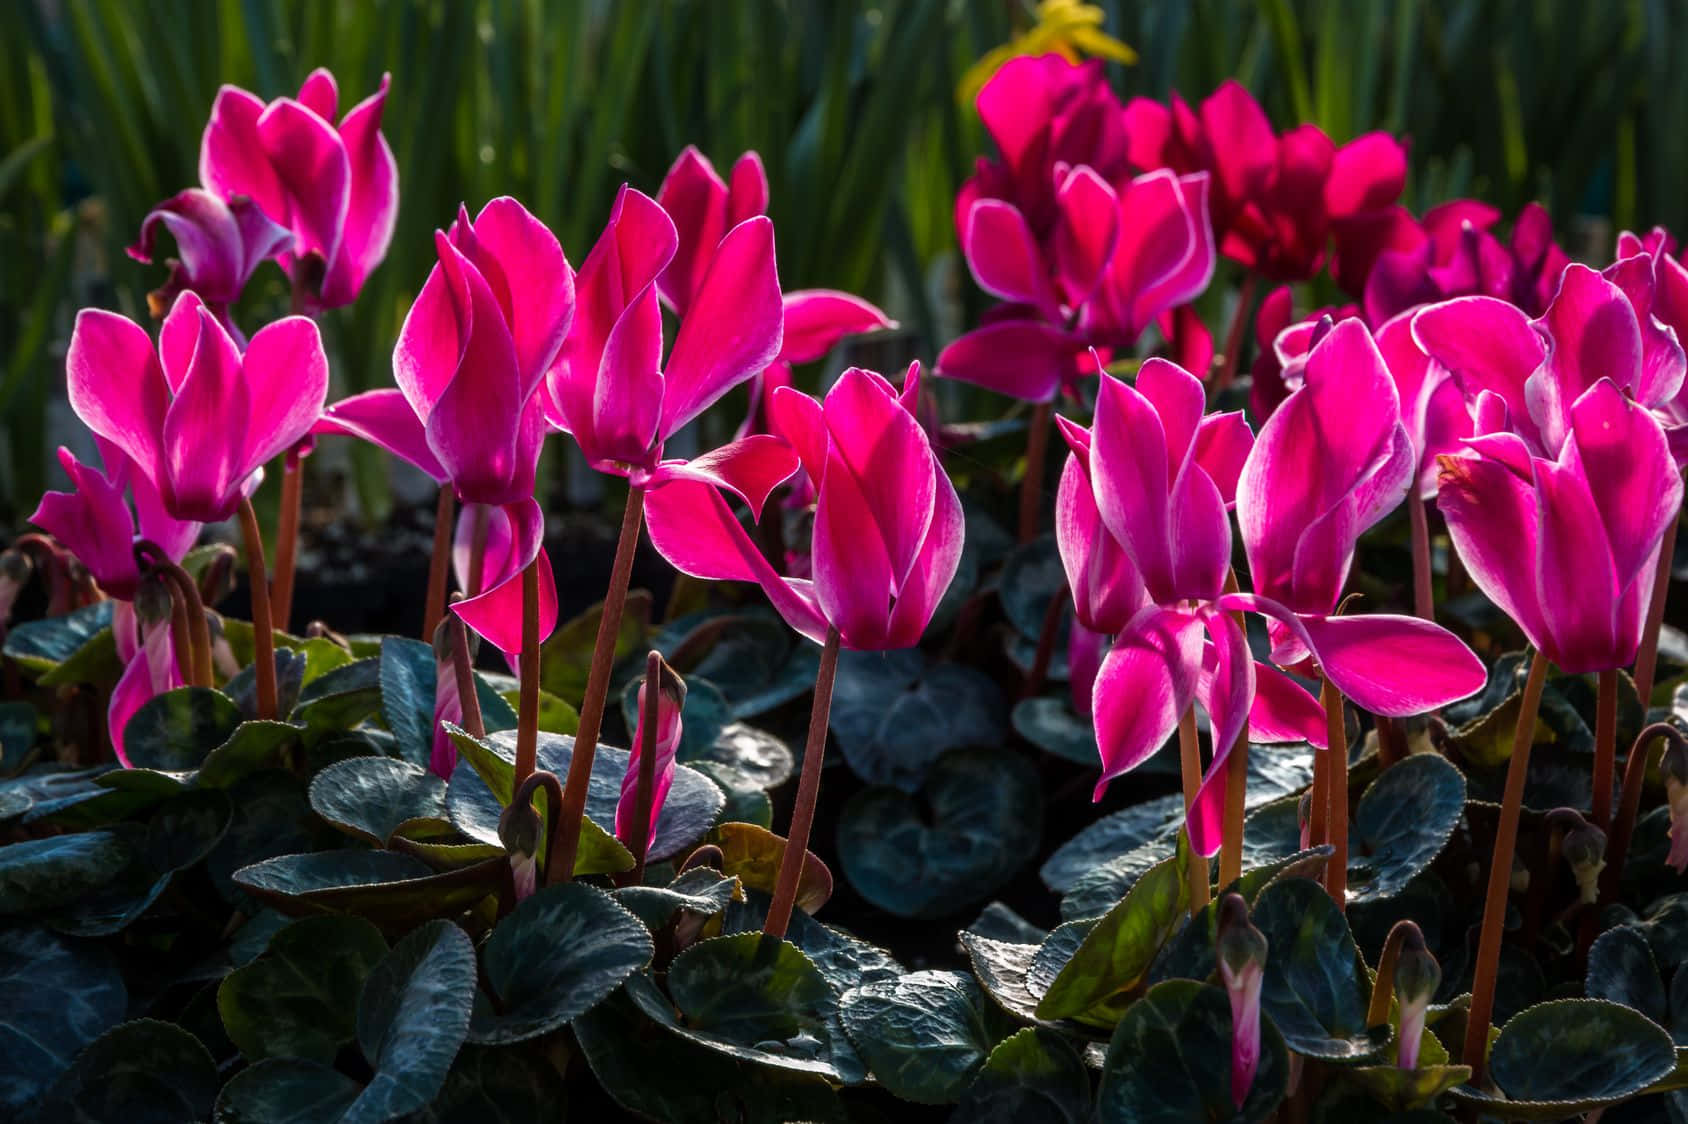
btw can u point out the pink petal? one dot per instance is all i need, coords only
(666, 743)
(627, 405)
(320, 94)
(747, 189)
(286, 375)
(204, 467)
(733, 328)
(1146, 683)
(695, 197)
(231, 156)
(94, 524)
(208, 242)
(1662, 361)
(1106, 588)
(1164, 256)
(1491, 512)
(1367, 174)
(151, 671)
(524, 266)
(1244, 146)
(311, 163)
(1015, 106)
(934, 568)
(852, 566)
(1226, 695)
(448, 707)
(801, 420)
(1578, 576)
(1283, 711)
(178, 337)
(175, 537)
(817, 319)
(372, 199)
(1003, 255)
(1128, 470)
(1594, 335)
(1487, 344)
(515, 538)
(1086, 232)
(384, 418)
(750, 468)
(116, 385)
(1223, 442)
(430, 343)
(1621, 453)
(1085, 650)
(884, 449)
(1023, 359)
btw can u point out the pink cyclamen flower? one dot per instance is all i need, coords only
(1241, 953)
(887, 524)
(1452, 252)
(1567, 545)
(334, 186)
(218, 246)
(198, 418)
(704, 208)
(671, 697)
(1277, 199)
(95, 523)
(1654, 279)
(610, 387)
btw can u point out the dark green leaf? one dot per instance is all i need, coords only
(1401, 824)
(1031, 578)
(94, 661)
(286, 1091)
(252, 746)
(556, 957)
(755, 662)
(18, 721)
(750, 989)
(986, 814)
(700, 890)
(140, 1072)
(492, 1086)
(40, 874)
(1034, 1076)
(412, 1016)
(385, 886)
(1115, 834)
(1621, 969)
(893, 715)
(271, 817)
(175, 730)
(1315, 989)
(407, 675)
(292, 1001)
(755, 757)
(342, 698)
(185, 829)
(58, 996)
(39, 645)
(924, 1035)
(369, 797)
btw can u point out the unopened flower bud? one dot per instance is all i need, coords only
(519, 828)
(1417, 976)
(1241, 950)
(154, 601)
(524, 872)
(1585, 849)
(1674, 767)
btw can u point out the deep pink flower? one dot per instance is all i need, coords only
(671, 696)
(1452, 252)
(1277, 200)
(1241, 954)
(1282, 343)
(1653, 278)
(887, 524)
(610, 387)
(334, 186)
(218, 246)
(1567, 545)
(198, 418)
(515, 537)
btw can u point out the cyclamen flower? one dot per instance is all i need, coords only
(218, 245)
(334, 186)
(1241, 953)
(671, 697)
(1452, 252)
(198, 418)
(887, 526)
(1277, 199)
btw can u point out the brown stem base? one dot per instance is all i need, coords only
(808, 792)
(263, 625)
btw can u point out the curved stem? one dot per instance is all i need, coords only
(527, 714)
(1424, 595)
(597, 688)
(1383, 986)
(808, 791)
(263, 627)
(1336, 794)
(181, 637)
(1476, 1049)
(287, 540)
(1039, 673)
(1647, 657)
(1234, 338)
(1190, 769)
(439, 564)
(646, 780)
(1629, 804)
(187, 592)
(477, 548)
(1031, 484)
(463, 668)
(1391, 740)
(542, 778)
(1605, 747)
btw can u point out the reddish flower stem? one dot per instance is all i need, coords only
(181, 636)
(1383, 985)
(1391, 740)
(439, 564)
(198, 674)
(1190, 769)
(1236, 782)
(1629, 804)
(527, 714)
(1647, 658)
(478, 515)
(1031, 484)
(1476, 1048)
(287, 540)
(1318, 806)
(1039, 673)
(1605, 747)
(1424, 594)
(263, 626)
(1234, 337)
(1336, 794)
(645, 783)
(808, 791)
(463, 667)
(561, 866)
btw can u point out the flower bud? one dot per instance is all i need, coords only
(519, 828)
(1241, 952)
(1417, 976)
(155, 602)
(1674, 767)
(1585, 849)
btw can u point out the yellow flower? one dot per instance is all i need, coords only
(1068, 28)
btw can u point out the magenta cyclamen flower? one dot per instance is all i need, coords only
(610, 388)
(218, 246)
(334, 186)
(198, 418)
(1452, 252)
(671, 696)
(887, 526)
(1567, 545)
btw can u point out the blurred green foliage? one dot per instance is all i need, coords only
(852, 105)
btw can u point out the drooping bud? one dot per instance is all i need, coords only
(155, 601)
(1417, 976)
(1674, 767)
(1241, 952)
(1585, 849)
(519, 830)
(664, 740)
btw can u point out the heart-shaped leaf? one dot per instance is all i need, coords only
(558, 955)
(753, 854)
(286, 1091)
(985, 817)
(369, 797)
(251, 747)
(1621, 968)
(342, 698)
(177, 729)
(750, 989)
(271, 817)
(1034, 1076)
(924, 1035)
(1032, 577)
(385, 886)
(893, 714)
(291, 1001)
(40, 644)
(1169, 1061)
(145, 1070)
(41, 874)
(412, 1016)
(1115, 834)
(1401, 823)
(846, 961)
(700, 890)
(492, 1086)
(58, 996)
(406, 675)
(755, 757)
(1315, 990)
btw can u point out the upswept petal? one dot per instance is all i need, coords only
(430, 343)
(1085, 650)
(750, 468)
(1245, 150)
(320, 94)
(1024, 359)
(1486, 344)
(801, 420)
(311, 164)
(1146, 683)
(1223, 442)
(1283, 711)
(1619, 450)
(1161, 239)
(372, 206)
(1662, 361)
(1128, 470)
(853, 571)
(665, 742)
(523, 264)
(733, 328)
(1367, 174)
(93, 522)
(933, 570)
(1201, 536)
(628, 393)
(817, 319)
(747, 189)
(515, 538)
(1491, 511)
(1003, 254)
(206, 430)
(695, 196)
(1593, 334)
(637, 243)
(150, 671)
(116, 385)
(1577, 577)
(882, 447)
(286, 375)
(1085, 232)
(1107, 590)
(384, 418)
(231, 156)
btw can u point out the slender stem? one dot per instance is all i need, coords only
(1605, 747)
(597, 689)
(1647, 658)
(808, 790)
(1476, 1049)
(1424, 594)
(263, 627)
(181, 637)
(1629, 804)
(1383, 987)
(1336, 794)
(1234, 338)
(1190, 768)
(187, 592)
(542, 778)
(439, 564)
(1317, 807)
(478, 514)
(1236, 783)
(287, 540)
(1039, 673)
(1391, 740)
(645, 783)
(1031, 484)
(527, 713)
(463, 667)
